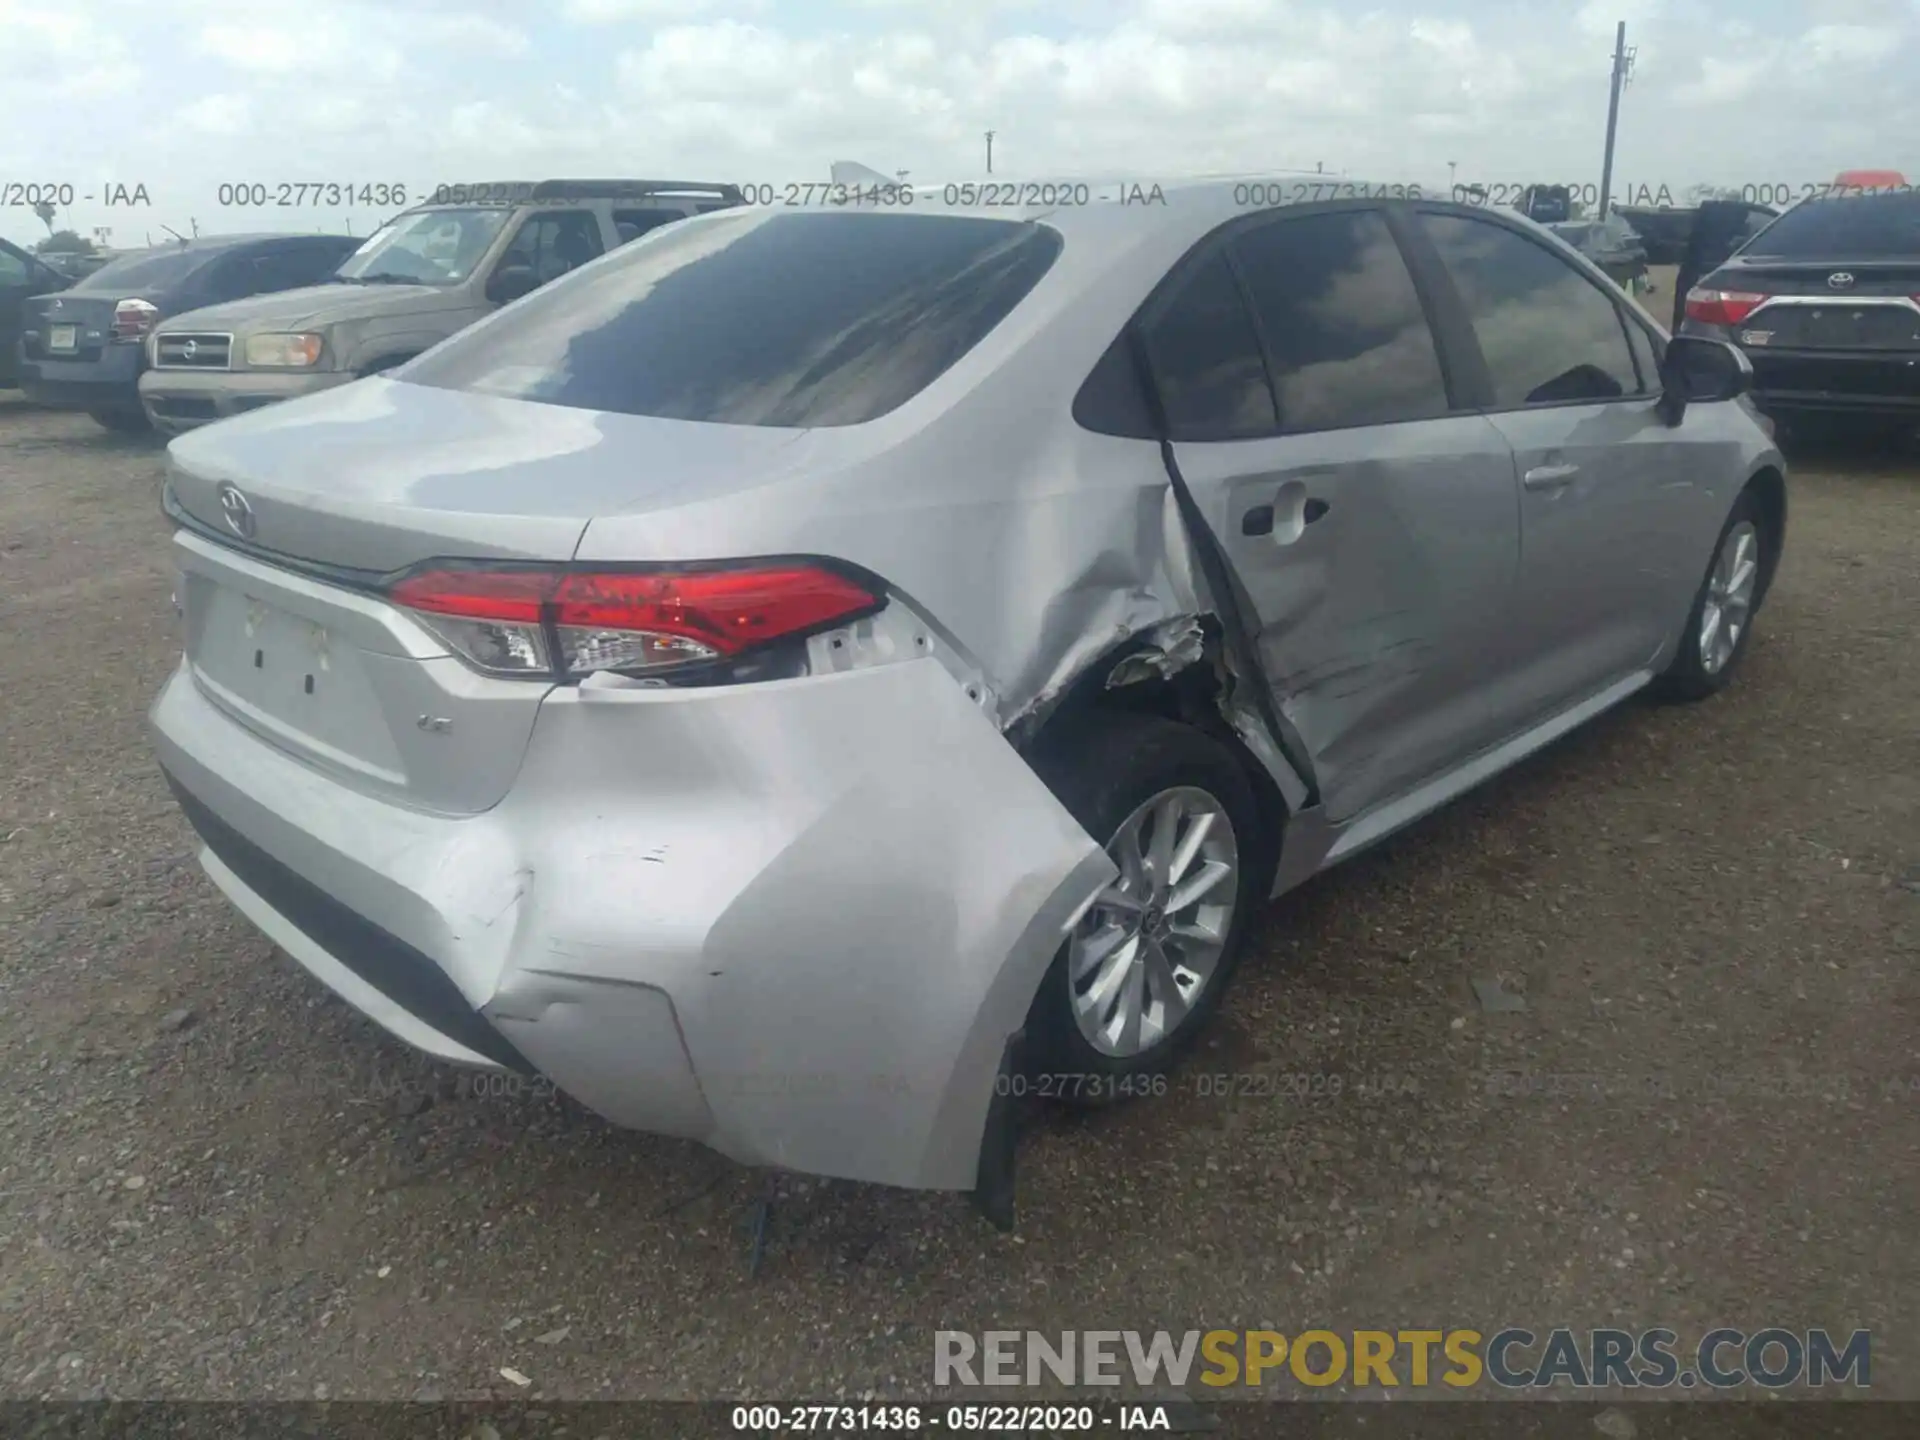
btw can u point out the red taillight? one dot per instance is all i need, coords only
(132, 319)
(503, 620)
(1721, 307)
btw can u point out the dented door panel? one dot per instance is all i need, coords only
(1383, 617)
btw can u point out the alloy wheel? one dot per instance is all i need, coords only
(1729, 602)
(1146, 950)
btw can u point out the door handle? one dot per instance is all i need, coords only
(1549, 477)
(1259, 520)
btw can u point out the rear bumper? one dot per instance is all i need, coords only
(1801, 381)
(109, 383)
(800, 930)
(178, 400)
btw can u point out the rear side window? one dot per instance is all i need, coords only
(1206, 360)
(1343, 323)
(632, 224)
(146, 271)
(551, 244)
(1845, 228)
(795, 319)
(259, 272)
(1549, 334)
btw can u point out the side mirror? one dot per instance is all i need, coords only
(510, 282)
(1699, 370)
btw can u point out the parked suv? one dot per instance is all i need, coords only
(797, 676)
(1825, 301)
(84, 348)
(430, 271)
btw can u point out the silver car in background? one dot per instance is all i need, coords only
(809, 667)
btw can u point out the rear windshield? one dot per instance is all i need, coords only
(1846, 227)
(785, 319)
(145, 271)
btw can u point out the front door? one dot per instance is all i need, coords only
(1372, 523)
(1606, 556)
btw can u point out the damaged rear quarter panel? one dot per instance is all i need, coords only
(849, 886)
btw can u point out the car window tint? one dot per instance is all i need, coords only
(233, 277)
(1111, 401)
(793, 318)
(316, 263)
(1845, 227)
(1548, 333)
(145, 269)
(13, 269)
(1206, 359)
(1343, 323)
(259, 272)
(632, 224)
(554, 243)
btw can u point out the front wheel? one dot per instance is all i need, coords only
(1145, 968)
(1721, 621)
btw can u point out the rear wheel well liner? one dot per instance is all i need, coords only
(1190, 696)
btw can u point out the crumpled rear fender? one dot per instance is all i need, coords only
(797, 920)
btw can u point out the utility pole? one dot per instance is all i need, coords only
(989, 152)
(1622, 67)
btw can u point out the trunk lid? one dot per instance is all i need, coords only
(66, 326)
(378, 475)
(285, 628)
(1812, 277)
(1871, 308)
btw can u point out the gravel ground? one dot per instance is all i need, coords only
(216, 1181)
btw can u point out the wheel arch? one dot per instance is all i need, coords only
(384, 362)
(1768, 487)
(1176, 671)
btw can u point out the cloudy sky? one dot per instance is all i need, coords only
(183, 95)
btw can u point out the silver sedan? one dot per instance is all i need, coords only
(815, 674)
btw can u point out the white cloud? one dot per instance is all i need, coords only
(1852, 44)
(1724, 82)
(653, 12)
(222, 115)
(434, 90)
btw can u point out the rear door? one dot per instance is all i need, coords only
(1371, 521)
(1607, 489)
(552, 242)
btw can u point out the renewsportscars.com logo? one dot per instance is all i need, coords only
(1513, 1359)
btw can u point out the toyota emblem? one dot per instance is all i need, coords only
(238, 512)
(1842, 280)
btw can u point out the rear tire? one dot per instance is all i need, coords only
(121, 422)
(1737, 573)
(1146, 968)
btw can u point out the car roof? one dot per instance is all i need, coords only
(212, 244)
(509, 194)
(1116, 213)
